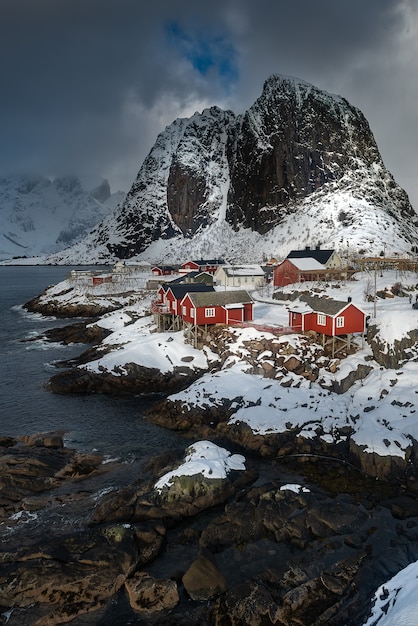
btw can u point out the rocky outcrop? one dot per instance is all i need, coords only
(394, 355)
(63, 310)
(134, 379)
(203, 580)
(389, 467)
(75, 333)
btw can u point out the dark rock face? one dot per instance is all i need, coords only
(135, 379)
(292, 141)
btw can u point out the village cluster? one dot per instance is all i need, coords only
(204, 292)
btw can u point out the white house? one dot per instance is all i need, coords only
(243, 276)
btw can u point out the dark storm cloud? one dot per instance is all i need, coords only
(86, 85)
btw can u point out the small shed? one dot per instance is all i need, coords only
(103, 278)
(201, 265)
(163, 270)
(246, 276)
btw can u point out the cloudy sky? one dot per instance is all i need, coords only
(86, 85)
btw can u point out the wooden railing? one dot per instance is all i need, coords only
(274, 330)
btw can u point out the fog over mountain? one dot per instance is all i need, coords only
(39, 216)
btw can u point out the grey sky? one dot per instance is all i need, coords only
(86, 85)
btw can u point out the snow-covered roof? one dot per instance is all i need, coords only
(243, 270)
(306, 264)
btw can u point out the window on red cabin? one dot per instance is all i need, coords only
(340, 322)
(210, 312)
(321, 319)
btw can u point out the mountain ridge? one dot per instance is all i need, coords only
(300, 165)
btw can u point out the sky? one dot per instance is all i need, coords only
(87, 85)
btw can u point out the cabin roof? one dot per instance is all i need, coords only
(201, 262)
(321, 305)
(243, 270)
(220, 298)
(179, 290)
(306, 264)
(322, 256)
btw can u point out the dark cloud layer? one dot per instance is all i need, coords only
(86, 85)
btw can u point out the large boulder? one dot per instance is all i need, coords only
(203, 580)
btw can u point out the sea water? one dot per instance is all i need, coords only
(112, 425)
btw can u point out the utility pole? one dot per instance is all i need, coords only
(375, 296)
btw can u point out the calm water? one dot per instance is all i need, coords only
(111, 425)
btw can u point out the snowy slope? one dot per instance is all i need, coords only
(38, 216)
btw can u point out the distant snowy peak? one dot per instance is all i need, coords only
(297, 151)
(39, 216)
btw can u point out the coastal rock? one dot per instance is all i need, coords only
(148, 596)
(387, 467)
(70, 575)
(77, 333)
(203, 580)
(134, 379)
(62, 310)
(267, 551)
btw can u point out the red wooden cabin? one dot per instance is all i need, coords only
(202, 265)
(292, 271)
(218, 307)
(328, 317)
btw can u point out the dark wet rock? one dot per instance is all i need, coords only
(134, 379)
(203, 580)
(148, 596)
(78, 333)
(248, 549)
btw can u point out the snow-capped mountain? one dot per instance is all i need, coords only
(301, 166)
(38, 216)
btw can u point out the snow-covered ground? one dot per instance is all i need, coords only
(396, 601)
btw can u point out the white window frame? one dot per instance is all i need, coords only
(340, 321)
(210, 312)
(192, 311)
(321, 319)
(184, 310)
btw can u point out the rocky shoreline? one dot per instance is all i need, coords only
(303, 535)
(298, 541)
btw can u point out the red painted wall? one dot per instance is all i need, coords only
(285, 274)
